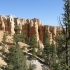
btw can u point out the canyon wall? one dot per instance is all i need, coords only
(30, 26)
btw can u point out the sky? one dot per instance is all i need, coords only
(47, 11)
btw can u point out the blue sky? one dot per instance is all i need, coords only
(47, 11)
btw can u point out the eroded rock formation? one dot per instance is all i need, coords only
(30, 26)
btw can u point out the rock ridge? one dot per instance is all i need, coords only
(30, 26)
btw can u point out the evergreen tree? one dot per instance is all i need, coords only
(60, 54)
(47, 46)
(16, 38)
(39, 51)
(53, 53)
(4, 42)
(19, 37)
(46, 39)
(50, 52)
(16, 59)
(3, 50)
(33, 45)
(46, 43)
(66, 27)
(22, 37)
(4, 38)
(17, 28)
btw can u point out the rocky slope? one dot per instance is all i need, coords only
(30, 26)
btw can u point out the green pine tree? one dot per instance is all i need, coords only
(17, 28)
(33, 45)
(22, 37)
(39, 51)
(60, 52)
(66, 28)
(53, 53)
(4, 42)
(46, 39)
(50, 52)
(16, 59)
(47, 47)
(18, 37)
(4, 38)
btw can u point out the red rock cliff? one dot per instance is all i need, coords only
(30, 26)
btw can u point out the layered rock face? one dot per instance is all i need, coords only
(30, 26)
